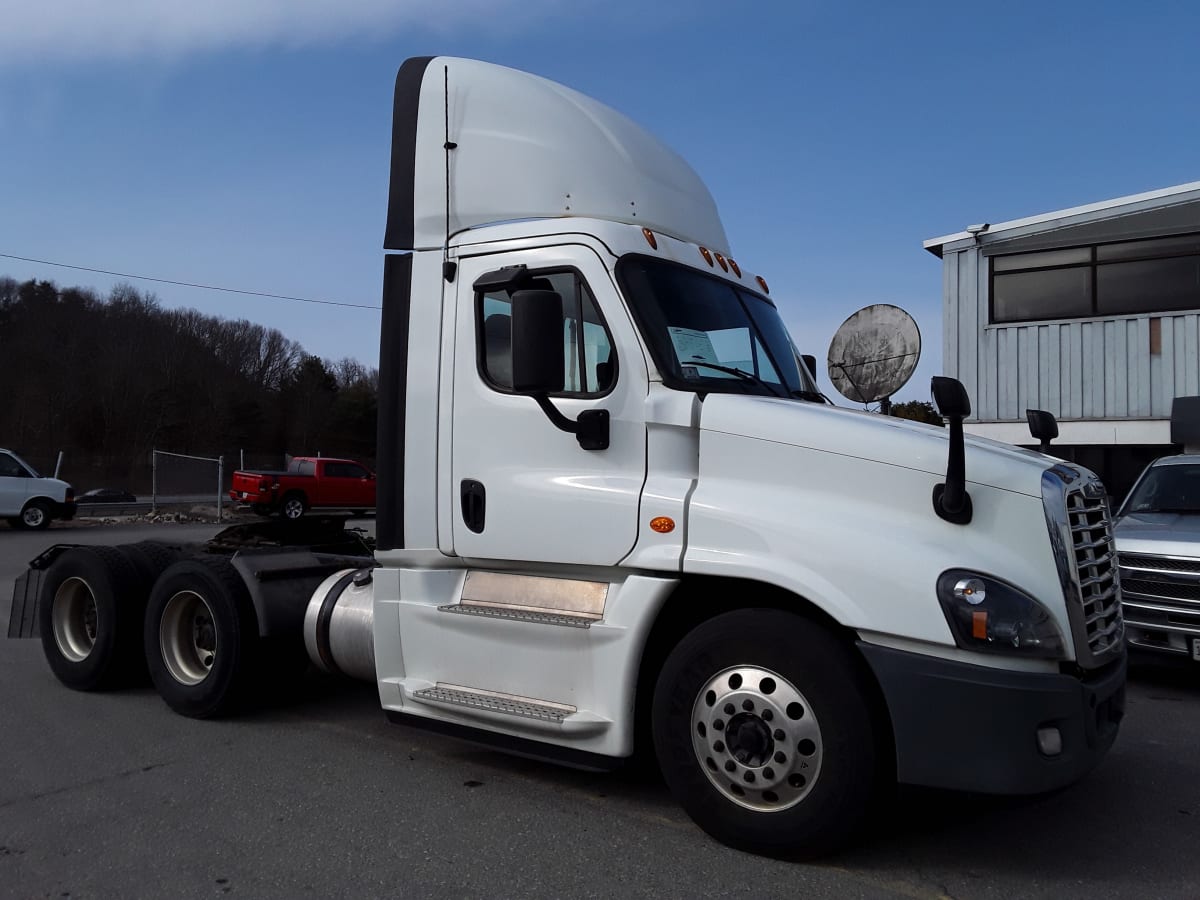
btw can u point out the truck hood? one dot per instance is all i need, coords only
(1162, 534)
(870, 436)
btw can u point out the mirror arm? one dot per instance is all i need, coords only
(557, 419)
(590, 429)
(950, 499)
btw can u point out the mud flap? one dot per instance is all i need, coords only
(22, 618)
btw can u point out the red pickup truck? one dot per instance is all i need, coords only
(309, 482)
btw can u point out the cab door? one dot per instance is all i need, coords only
(519, 488)
(14, 485)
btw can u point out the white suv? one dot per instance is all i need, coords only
(27, 500)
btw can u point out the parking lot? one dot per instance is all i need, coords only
(114, 795)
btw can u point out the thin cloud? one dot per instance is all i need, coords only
(83, 30)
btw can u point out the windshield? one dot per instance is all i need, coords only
(706, 334)
(1167, 489)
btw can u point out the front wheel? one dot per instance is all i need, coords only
(763, 728)
(35, 516)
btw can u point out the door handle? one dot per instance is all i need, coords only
(473, 497)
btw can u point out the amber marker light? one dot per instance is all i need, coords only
(762, 284)
(662, 524)
(979, 625)
(721, 260)
(650, 238)
(707, 256)
(736, 269)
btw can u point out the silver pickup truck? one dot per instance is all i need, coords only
(1158, 543)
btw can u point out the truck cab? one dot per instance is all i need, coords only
(642, 512)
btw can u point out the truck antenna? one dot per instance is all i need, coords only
(448, 268)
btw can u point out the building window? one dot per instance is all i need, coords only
(1127, 278)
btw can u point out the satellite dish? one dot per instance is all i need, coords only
(874, 353)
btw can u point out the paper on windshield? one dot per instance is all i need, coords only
(692, 345)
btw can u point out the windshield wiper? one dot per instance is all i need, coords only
(733, 370)
(813, 396)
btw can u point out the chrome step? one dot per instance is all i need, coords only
(508, 704)
(517, 615)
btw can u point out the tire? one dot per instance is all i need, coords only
(151, 560)
(35, 516)
(763, 729)
(201, 638)
(90, 618)
(293, 506)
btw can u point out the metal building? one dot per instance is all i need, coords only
(1092, 313)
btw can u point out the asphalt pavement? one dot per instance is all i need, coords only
(113, 795)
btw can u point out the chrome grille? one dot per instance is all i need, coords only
(1096, 576)
(1081, 530)
(1161, 593)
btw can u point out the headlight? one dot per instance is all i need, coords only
(991, 616)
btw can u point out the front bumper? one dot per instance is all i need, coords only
(974, 728)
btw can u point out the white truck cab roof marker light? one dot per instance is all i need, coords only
(707, 256)
(650, 238)
(736, 268)
(762, 284)
(721, 262)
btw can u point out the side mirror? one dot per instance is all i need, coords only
(1043, 426)
(1185, 423)
(950, 397)
(539, 364)
(810, 363)
(538, 360)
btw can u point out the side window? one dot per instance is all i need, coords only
(589, 358)
(335, 470)
(10, 468)
(306, 467)
(352, 470)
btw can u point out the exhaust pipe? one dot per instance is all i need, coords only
(339, 625)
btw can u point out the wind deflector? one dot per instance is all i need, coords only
(516, 146)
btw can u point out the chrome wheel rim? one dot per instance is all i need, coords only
(188, 637)
(33, 516)
(756, 738)
(293, 509)
(74, 618)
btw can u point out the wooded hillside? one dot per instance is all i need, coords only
(106, 379)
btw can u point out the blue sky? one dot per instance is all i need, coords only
(245, 143)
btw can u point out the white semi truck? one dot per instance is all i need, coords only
(617, 517)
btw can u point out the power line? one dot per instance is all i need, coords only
(192, 284)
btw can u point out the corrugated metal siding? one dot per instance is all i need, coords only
(1095, 369)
